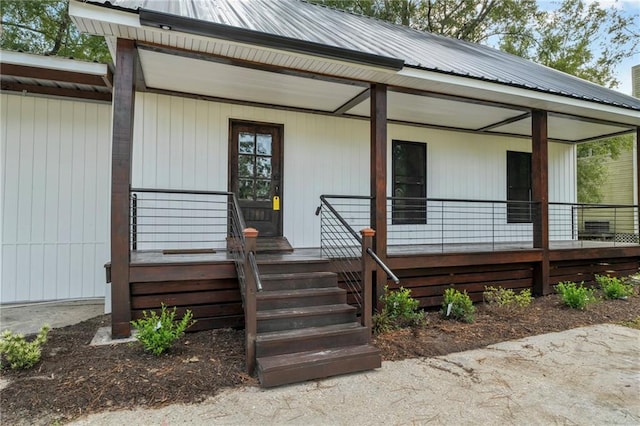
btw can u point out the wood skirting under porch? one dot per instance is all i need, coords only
(206, 283)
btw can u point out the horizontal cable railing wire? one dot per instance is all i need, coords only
(589, 224)
(450, 225)
(340, 242)
(163, 219)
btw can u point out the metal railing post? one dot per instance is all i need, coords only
(250, 304)
(367, 277)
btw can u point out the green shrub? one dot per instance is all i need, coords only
(614, 288)
(505, 299)
(18, 352)
(575, 296)
(399, 310)
(157, 333)
(458, 306)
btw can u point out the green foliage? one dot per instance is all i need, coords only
(19, 353)
(575, 296)
(157, 333)
(506, 300)
(399, 310)
(458, 306)
(44, 27)
(613, 287)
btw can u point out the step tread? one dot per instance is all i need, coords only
(304, 311)
(309, 358)
(302, 292)
(296, 275)
(307, 332)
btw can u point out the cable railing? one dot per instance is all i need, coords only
(452, 225)
(350, 252)
(198, 221)
(168, 219)
(593, 224)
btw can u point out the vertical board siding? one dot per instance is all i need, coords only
(183, 144)
(55, 192)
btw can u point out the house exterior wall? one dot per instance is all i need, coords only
(55, 198)
(182, 143)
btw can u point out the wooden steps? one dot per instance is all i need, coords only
(306, 329)
(301, 366)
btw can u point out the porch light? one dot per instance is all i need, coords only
(165, 27)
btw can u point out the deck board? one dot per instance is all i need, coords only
(307, 254)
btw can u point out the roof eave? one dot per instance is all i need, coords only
(240, 35)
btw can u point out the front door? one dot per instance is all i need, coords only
(255, 174)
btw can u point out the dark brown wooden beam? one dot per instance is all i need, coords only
(56, 91)
(52, 75)
(378, 177)
(122, 146)
(356, 100)
(505, 122)
(439, 260)
(540, 196)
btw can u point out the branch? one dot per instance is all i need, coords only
(23, 27)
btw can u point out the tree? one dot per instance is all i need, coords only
(44, 27)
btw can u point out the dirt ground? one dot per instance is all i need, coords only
(75, 379)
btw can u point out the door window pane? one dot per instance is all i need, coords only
(409, 169)
(245, 165)
(263, 167)
(263, 144)
(245, 189)
(246, 143)
(262, 189)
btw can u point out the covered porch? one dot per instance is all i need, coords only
(220, 128)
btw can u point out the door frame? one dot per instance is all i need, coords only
(232, 147)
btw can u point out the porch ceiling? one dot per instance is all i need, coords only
(209, 77)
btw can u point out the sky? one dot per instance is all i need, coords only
(623, 70)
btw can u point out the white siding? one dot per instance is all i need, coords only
(183, 144)
(55, 193)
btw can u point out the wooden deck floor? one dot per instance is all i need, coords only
(302, 254)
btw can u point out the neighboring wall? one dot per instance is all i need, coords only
(183, 144)
(55, 198)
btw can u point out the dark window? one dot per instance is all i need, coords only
(518, 187)
(409, 170)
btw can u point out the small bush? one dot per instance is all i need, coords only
(458, 306)
(19, 353)
(158, 333)
(614, 288)
(575, 296)
(505, 299)
(399, 310)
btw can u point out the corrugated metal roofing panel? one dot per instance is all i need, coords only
(299, 20)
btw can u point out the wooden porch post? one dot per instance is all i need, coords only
(123, 109)
(540, 195)
(378, 173)
(368, 266)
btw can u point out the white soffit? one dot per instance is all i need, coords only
(188, 75)
(563, 128)
(440, 112)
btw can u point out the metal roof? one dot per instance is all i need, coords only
(301, 21)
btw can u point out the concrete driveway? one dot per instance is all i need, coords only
(585, 376)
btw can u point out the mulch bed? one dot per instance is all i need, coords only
(74, 379)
